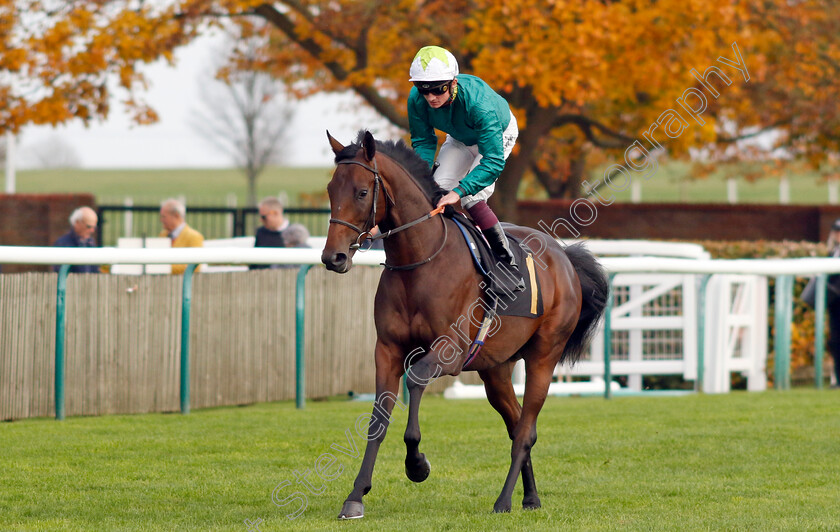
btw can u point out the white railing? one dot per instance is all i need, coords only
(645, 247)
(631, 265)
(210, 255)
(770, 267)
(243, 255)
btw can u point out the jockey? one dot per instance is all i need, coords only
(480, 134)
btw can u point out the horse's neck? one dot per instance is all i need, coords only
(410, 203)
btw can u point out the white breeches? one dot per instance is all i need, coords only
(457, 160)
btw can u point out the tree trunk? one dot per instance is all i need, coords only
(539, 123)
(577, 166)
(564, 181)
(503, 200)
(252, 175)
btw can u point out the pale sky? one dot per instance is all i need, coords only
(171, 143)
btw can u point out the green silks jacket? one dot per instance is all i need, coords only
(477, 116)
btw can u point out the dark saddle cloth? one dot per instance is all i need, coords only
(501, 282)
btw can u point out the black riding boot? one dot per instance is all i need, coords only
(499, 243)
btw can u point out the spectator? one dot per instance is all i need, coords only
(271, 233)
(173, 214)
(82, 225)
(833, 303)
(296, 236)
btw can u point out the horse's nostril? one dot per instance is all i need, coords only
(334, 260)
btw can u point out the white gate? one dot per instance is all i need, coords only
(654, 330)
(736, 332)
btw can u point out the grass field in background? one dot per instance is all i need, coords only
(738, 461)
(149, 187)
(671, 183)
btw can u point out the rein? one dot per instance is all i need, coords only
(371, 221)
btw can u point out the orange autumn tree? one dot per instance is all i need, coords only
(794, 91)
(581, 76)
(797, 88)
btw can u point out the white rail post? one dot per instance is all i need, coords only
(784, 190)
(128, 217)
(230, 200)
(636, 191)
(731, 191)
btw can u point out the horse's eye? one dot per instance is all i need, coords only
(362, 194)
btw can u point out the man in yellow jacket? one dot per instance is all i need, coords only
(172, 217)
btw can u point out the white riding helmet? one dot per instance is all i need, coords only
(433, 63)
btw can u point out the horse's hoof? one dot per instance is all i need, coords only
(501, 508)
(419, 472)
(531, 503)
(352, 510)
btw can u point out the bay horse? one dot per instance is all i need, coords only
(424, 299)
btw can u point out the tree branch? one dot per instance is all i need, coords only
(368, 93)
(761, 131)
(302, 11)
(586, 125)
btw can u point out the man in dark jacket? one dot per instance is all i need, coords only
(270, 234)
(82, 225)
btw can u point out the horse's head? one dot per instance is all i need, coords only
(357, 202)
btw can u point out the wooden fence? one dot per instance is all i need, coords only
(123, 340)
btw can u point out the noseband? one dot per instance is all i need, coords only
(371, 221)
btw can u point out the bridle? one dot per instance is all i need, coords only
(371, 221)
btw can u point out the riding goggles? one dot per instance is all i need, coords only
(424, 88)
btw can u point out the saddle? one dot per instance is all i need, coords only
(513, 292)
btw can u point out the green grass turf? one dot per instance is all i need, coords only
(740, 461)
(149, 187)
(671, 183)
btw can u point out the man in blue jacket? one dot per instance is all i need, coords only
(481, 131)
(82, 226)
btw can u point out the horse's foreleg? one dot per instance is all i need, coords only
(388, 372)
(419, 376)
(500, 394)
(537, 382)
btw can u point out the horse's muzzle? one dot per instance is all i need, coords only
(337, 262)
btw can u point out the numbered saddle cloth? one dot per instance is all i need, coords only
(501, 282)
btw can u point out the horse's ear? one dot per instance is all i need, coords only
(334, 144)
(370, 146)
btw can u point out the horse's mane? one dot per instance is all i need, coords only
(400, 152)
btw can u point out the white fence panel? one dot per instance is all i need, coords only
(654, 324)
(736, 332)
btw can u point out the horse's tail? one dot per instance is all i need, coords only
(594, 290)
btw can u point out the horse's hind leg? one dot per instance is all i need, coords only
(538, 379)
(500, 393)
